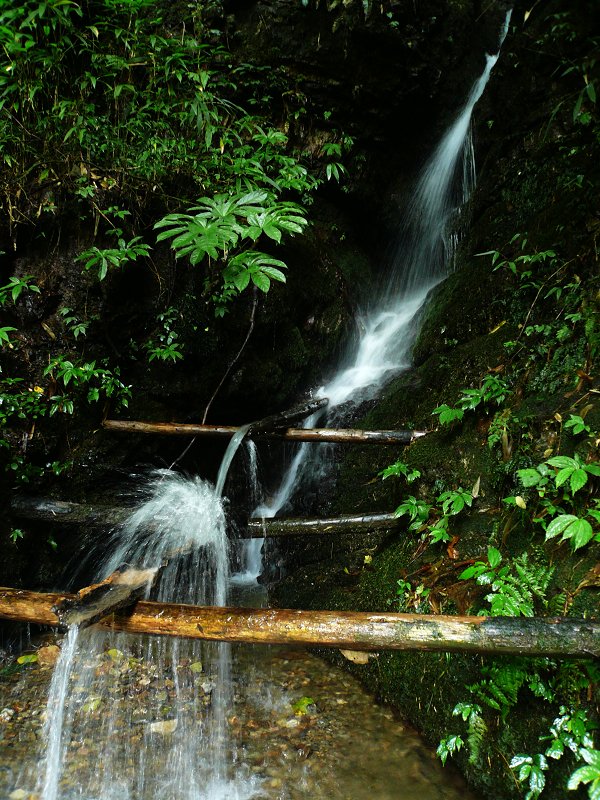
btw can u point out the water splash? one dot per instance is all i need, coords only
(151, 711)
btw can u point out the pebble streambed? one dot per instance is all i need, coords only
(300, 728)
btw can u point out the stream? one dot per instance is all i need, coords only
(298, 728)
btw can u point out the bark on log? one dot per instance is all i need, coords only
(42, 510)
(352, 630)
(287, 418)
(93, 603)
(303, 526)
(106, 516)
(338, 436)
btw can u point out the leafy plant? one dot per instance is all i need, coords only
(492, 390)
(400, 469)
(556, 492)
(515, 588)
(224, 230)
(166, 345)
(103, 259)
(15, 288)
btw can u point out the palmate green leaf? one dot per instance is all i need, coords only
(579, 531)
(593, 469)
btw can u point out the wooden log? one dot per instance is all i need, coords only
(338, 436)
(351, 630)
(43, 510)
(93, 603)
(302, 526)
(287, 418)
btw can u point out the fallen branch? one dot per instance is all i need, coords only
(93, 603)
(43, 510)
(302, 526)
(351, 630)
(341, 436)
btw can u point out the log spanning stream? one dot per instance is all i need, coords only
(132, 716)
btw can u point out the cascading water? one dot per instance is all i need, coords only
(423, 258)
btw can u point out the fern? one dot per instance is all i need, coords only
(500, 688)
(515, 588)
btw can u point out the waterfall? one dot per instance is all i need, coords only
(423, 258)
(150, 714)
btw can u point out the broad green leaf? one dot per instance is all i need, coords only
(529, 477)
(563, 475)
(562, 462)
(241, 280)
(261, 280)
(275, 274)
(578, 480)
(559, 525)
(581, 535)
(494, 557)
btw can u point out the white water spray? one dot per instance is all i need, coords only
(173, 740)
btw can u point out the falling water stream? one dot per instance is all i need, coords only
(138, 717)
(423, 257)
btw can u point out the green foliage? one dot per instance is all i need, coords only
(556, 492)
(400, 469)
(589, 775)
(516, 588)
(75, 326)
(577, 425)
(166, 345)
(97, 382)
(141, 111)
(431, 520)
(493, 390)
(449, 745)
(15, 288)
(102, 260)
(225, 228)
(16, 534)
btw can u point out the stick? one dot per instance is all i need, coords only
(42, 510)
